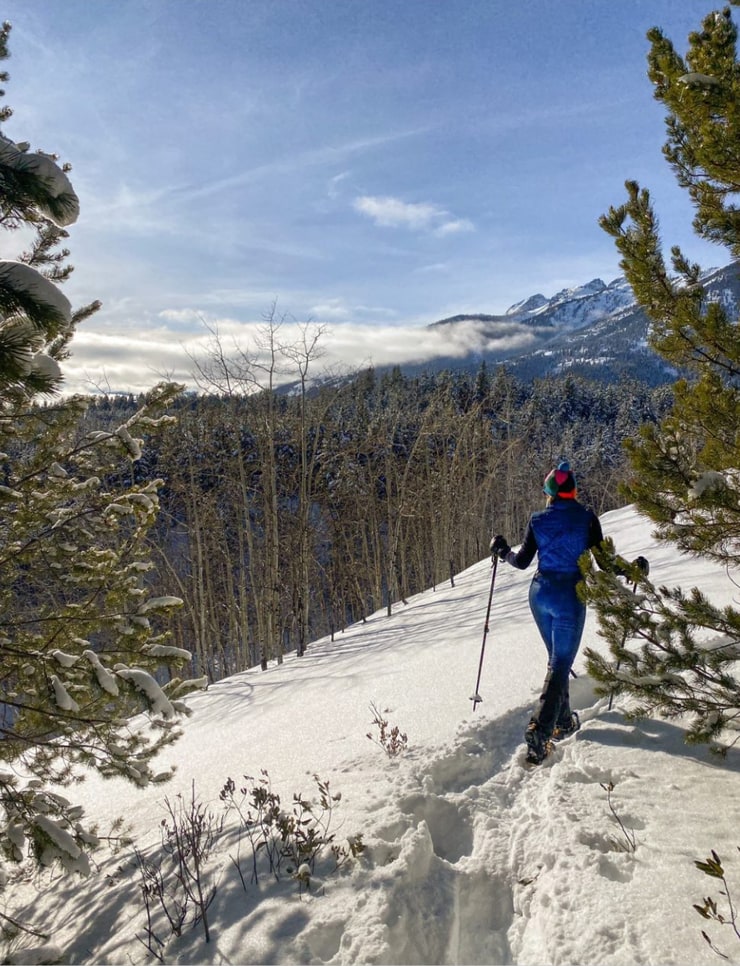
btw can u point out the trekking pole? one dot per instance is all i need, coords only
(624, 641)
(476, 698)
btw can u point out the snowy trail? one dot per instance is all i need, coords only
(492, 862)
(445, 845)
(450, 842)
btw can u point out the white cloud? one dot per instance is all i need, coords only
(392, 212)
(398, 345)
(332, 309)
(389, 212)
(454, 226)
(436, 268)
(179, 315)
(335, 183)
(339, 310)
(137, 361)
(290, 162)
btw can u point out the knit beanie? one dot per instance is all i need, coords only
(561, 482)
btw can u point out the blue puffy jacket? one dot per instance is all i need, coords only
(559, 534)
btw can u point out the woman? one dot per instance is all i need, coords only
(559, 535)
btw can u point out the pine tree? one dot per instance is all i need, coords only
(83, 644)
(686, 470)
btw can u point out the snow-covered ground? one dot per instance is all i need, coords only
(470, 857)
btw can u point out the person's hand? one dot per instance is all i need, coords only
(643, 565)
(499, 546)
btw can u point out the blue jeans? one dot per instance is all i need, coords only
(560, 616)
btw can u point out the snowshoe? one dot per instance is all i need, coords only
(538, 747)
(567, 728)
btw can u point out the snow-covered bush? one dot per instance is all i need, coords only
(178, 882)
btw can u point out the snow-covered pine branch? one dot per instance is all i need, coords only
(54, 196)
(24, 290)
(158, 701)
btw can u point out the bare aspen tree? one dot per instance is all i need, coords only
(255, 374)
(303, 352)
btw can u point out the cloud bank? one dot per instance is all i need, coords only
(103, 362)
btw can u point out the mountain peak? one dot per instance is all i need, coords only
(539, 303)
(581, 291)
(531, 304)
(573, 308)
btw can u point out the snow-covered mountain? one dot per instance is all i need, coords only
(574, 308)
(596, 329)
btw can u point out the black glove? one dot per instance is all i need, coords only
(625, 570)
(643, 564)
(500, 546)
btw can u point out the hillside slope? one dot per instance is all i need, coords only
(470, 857)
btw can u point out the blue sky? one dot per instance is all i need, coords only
(374, 165)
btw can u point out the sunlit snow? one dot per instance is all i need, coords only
(470, 857)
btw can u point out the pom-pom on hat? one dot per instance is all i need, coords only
(561, 482)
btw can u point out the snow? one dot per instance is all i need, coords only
(48, 953)
(707, 481)
(469, 857)
(55, 182)
(23, 280)
(61, 695)
(160, 603)
(696, 79)
(166, 650)
(62, 844)
(105, 679)
(158, 700)
(528, 305)
(576, 308)
(132, 445)
(45, 366)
